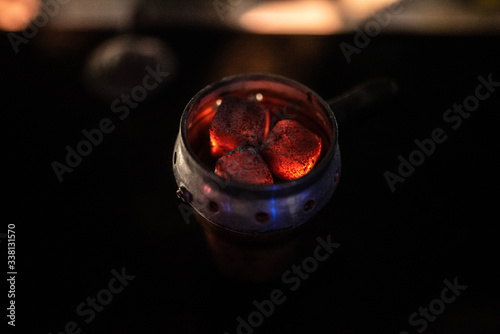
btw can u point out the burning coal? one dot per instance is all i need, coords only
(237, 122)
(244, 164)
(250, 152)
(291, 150)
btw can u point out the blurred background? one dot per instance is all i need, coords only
(65, 66)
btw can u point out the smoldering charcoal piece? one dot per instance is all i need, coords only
(244, 164)
(237, 122)
(291, 150)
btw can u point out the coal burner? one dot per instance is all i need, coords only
(254, 230)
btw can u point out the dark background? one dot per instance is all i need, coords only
(118, 208)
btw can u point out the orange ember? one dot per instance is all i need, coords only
(244, 165)
(291, 150)
(237, 122)
(240, 128)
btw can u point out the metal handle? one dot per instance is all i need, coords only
(355, 103)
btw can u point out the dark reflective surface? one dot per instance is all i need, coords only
(117, 207)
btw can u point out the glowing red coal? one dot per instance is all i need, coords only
(291, 150)
(244, 164)
(237, 122)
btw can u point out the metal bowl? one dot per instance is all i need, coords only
(247, 208)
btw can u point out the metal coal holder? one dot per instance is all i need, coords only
(255, 232)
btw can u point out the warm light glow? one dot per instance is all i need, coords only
(267, 125)
(206, 189)
(259, 97)
(315, 17)
(15, 15)
(293, 17)
(214, 147)
(360, 9)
